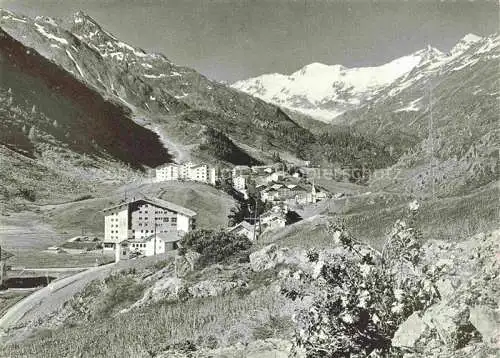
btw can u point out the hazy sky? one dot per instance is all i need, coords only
(235, 39)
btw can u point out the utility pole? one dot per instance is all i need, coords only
(431, 139)
(154, 244)
(255, 218)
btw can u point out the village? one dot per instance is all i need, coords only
(150, 226)
(142, 226)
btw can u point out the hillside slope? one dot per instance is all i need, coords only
(175, 101)
(58, 137)
(435, 113)
(445, 124)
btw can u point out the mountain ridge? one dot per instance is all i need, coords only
(167, 98)
(324, 92)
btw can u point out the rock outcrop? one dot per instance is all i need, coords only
(210, 288)
(186, 263)
(271, 256)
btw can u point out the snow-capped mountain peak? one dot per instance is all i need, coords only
(465, 42)
(471, 38)
(326, 91)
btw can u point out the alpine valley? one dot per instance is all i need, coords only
(366, 227)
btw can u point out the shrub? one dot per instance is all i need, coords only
(121, 291)
(215, 246)
(28, 194)
(84, 197)
(362, 296)
(272, 328)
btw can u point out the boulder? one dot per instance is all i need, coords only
(445, 288)
(211, 288)
(451, 322)
(270, 256)
(169, 288)
(487, 322)
(410, 331)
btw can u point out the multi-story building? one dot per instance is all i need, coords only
(169, 172)
(198, 173)
(239, 183)
(139, 219)
(187, 171)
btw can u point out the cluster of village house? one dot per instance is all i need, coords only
(153, 226)
(271, 181)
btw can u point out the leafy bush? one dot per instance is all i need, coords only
(272, 328)
(361, 297)
(215, 246)
(28, 194)
(84, 197)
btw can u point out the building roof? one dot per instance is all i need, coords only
(269, 190)
(169, 236)
(164, 166)
(238, 167)
(199, 166)
(242, 225)
(272, 213)
(157, 202)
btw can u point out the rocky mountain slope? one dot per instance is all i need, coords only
(444, 120)
(436, 112)
(54, 131)
(324, 92)
(426, 298)
(176, 102)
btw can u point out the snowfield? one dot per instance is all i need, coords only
(327, 91)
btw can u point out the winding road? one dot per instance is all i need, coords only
(48, 299)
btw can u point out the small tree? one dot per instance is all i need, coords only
(215, 246)
(238, 214)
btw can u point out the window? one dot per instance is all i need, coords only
(140, 224)
(165, 220)
(140, 217)
(174, 220)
